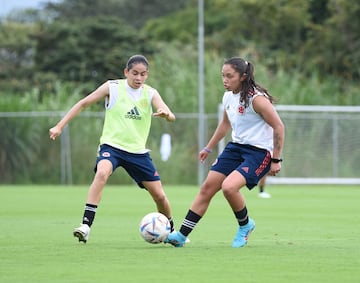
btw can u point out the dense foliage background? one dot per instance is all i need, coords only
(86, 42)
(305, 52)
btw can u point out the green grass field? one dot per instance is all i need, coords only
(303, 234)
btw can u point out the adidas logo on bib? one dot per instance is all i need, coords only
(133, 114)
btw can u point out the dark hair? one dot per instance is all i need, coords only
(248, 85)
(136, 59)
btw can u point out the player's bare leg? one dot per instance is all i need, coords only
(104, 170)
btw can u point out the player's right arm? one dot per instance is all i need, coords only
(92, 98)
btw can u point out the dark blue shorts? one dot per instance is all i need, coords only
(252, 162)
(139, 166)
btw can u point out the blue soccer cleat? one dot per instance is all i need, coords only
(243, 234)
(176, 239)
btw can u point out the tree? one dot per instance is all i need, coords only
(135, 12)
(16, 55)
(334, 46)
(87, 49)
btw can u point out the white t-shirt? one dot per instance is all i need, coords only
(248, 127)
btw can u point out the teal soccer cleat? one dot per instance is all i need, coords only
(243, 234)
(176, 239)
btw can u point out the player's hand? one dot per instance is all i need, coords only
(203, 155)
(161, 113)
(275, 168)
(54, 132)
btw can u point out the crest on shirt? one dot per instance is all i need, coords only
(241, 109)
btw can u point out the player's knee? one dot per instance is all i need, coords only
(228, 188)
(102, 176)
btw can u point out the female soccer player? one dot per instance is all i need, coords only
(256, 148)
(128, 104)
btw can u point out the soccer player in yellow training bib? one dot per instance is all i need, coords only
(129, 107)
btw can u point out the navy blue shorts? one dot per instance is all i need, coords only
(252, 162)
(139, 166)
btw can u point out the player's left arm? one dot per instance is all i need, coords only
(266, 110)
(162, 110)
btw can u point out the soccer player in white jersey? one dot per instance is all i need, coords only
(128, 104)
(255, 150)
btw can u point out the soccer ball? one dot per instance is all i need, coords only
(154, 227)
